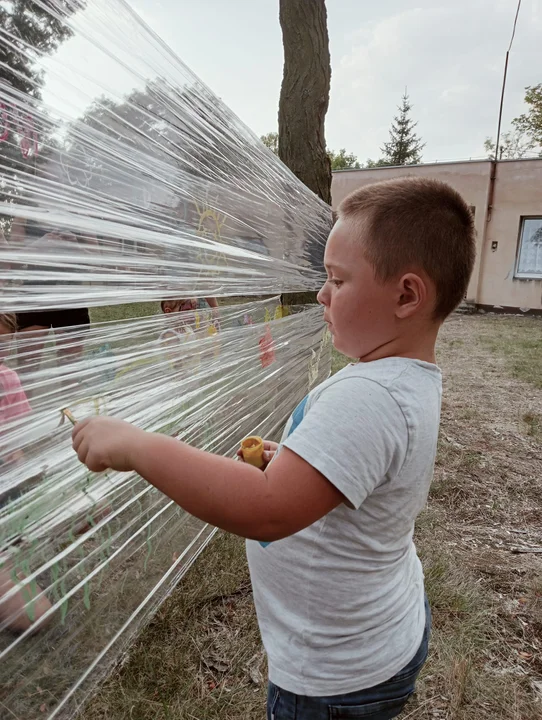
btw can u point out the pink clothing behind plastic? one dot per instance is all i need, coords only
(13, 400)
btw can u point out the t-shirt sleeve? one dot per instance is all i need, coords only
(355, 434)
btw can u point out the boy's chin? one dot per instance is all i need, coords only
(338, 347)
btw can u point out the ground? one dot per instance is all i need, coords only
(200, 658)
(111, 313)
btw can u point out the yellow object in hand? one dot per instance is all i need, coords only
(252, 449)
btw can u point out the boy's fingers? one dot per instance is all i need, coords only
(94, 464)
(90, 459)
(77, 439)
(78, 427)
(81, 450)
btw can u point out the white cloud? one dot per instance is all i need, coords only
(451, 58)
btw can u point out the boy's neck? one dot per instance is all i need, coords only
(416, 346)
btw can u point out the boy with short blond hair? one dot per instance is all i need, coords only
(339, 590)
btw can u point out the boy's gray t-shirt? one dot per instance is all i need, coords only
(341, 604)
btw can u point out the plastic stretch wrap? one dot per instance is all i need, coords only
(125, 178)
(105, 549)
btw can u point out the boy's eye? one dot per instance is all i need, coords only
(337, 283)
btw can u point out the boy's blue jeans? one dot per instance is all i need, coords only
(380, 702)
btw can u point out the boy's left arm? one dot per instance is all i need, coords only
(280, 501)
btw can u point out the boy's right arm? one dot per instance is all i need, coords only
(280, 501)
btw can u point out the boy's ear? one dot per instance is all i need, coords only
(412, 295)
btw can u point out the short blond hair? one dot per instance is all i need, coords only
(417, 222)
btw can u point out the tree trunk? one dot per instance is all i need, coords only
(304, 96)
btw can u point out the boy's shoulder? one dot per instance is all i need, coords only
(375, 389)
(389, 373)
(381, 385)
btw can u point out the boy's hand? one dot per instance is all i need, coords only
(269, 450)
(103, 442)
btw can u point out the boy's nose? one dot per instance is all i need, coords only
(322, 296)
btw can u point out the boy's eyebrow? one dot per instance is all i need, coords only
(332, 266)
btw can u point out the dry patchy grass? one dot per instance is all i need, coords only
(519, 342)
(200, 658)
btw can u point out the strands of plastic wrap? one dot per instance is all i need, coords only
(124, 179)
(127, 179)
(103, 550)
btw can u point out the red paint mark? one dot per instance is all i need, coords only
(267, 348)
(4, 129)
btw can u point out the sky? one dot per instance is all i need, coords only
(449, 54)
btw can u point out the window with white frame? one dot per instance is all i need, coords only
(530, 248)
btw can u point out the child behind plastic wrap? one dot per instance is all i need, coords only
(191, 306)
(13, 404)
(187, 317)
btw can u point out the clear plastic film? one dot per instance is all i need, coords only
(126, 179)
(86, 558)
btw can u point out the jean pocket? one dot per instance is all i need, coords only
(380, 710)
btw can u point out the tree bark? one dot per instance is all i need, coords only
(304, 96)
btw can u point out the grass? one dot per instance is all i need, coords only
(110, 313)
(205, 643)
(519, 343)
(533, 421)
(200, 658)
(122, 312)
(338, 361)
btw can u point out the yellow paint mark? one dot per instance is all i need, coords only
(133, 366)
(210, 225)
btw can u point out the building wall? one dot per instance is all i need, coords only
(518, 192)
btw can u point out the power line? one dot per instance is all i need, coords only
(515, 25)
(498, 140)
